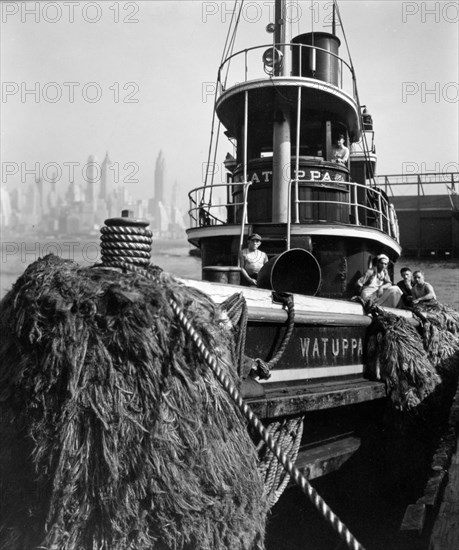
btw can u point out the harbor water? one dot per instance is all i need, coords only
(173, 256)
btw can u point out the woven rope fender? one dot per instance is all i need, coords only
(114, 433)
(395, 354)
(440, 335)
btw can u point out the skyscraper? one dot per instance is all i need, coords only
(106, 187)
(160, 173)
(92, 179)
(5, 207)
(174, 195)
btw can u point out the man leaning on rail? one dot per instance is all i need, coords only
(252, 260)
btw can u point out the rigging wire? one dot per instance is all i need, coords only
(224, 54)
(312, 23)
(299, 19)
(312, 15)
(356, 91)
(227, 52)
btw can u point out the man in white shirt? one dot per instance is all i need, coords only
(252, 260)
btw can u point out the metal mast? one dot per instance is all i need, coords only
(281, 124)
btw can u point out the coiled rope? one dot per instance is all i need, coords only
(287, 435)
(122, 242)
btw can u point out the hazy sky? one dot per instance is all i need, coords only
(131, 78)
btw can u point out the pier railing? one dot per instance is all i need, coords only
(349, 204)
(419, 184)
(249, 64)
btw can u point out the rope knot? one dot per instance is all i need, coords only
(261, 369)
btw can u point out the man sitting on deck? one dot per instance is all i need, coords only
(422, 291)
(377, 286)
(405, 285)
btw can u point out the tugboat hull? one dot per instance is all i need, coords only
(321, 375)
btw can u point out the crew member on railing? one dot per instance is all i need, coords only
(252, 260)
(340, 153)
(367, 119)
(204, 216)
(376, 284)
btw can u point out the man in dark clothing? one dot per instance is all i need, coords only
(405, 286)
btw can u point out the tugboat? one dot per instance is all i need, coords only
(117, 433)
(302, 178)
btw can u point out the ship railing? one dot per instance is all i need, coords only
(364, 145)
(249, 65)
(363, 206)
(420, 183)
(215, 205)
(366, 206)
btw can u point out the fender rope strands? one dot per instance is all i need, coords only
(297, 476)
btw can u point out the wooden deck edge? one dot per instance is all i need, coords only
(324, 458)
(259, 302)
(413, 520)
(290, 401)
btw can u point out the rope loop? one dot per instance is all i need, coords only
(262, 368)
(286, 299)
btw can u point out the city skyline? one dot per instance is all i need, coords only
(87, 201)
(137, 77)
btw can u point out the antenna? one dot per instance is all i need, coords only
(334, 18)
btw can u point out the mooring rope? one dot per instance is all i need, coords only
(287, 432)
(263, 368)
(236, 309)
(323, 508)
(297, 476)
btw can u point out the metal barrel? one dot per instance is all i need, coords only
(294, 270)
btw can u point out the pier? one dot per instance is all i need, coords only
(445, 534)
(427, 206)
(432, 523)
